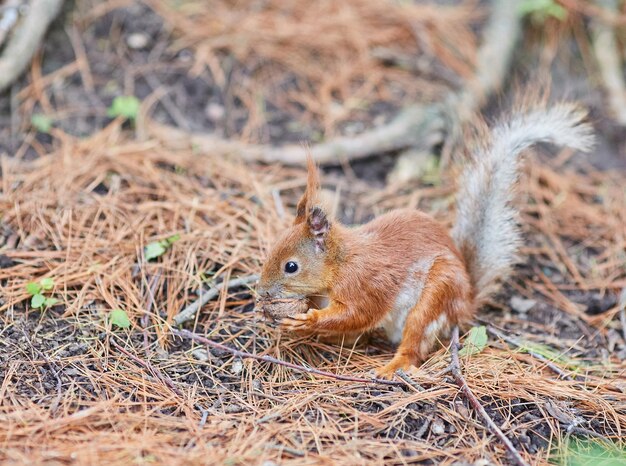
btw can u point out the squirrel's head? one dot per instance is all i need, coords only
(297, 265)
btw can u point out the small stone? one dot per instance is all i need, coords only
(482, 462)
(461, 409)
(413, 165)
(237, 367)
(215, 111)
(233, 409)
(437, 427)
(257, 386)
(137, 40)
(200, 354)
(522, 305)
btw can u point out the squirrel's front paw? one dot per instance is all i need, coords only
(300, 322)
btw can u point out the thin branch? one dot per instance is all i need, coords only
(455, 369)
(404, 376)
(9, 16)
(245, 355)
(190, 311)
(26, 39)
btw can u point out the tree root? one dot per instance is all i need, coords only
(26, 39)
(417, 125)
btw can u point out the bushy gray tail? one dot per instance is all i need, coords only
(486, 228)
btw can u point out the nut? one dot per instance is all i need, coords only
(276, 309)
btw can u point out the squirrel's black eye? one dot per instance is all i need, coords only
(291, 267)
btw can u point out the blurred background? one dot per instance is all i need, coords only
(274, 72)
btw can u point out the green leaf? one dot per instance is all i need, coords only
(172, 239)
(50, 302)
(33, 288)
(124, 106)
(47, 283)
(37, 301)
(476, 341)
(154, 250)
(542, 9)
(41, 123)
(584, 452)
(119, 318)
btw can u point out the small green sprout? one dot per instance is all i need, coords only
(119, 318)
(38, 299)
(41, 123)
(158, 248)
(540, 10)
(124, 106)
(476, 341)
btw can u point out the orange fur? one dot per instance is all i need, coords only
(362, 271)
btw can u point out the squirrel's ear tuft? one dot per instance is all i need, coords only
(310, 195)
(319, 225)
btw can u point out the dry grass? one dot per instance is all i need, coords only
(82, 216)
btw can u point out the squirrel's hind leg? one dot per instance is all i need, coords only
(444, 301)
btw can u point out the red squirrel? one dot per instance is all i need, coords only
(403, 272)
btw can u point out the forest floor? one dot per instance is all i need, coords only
(86, 196)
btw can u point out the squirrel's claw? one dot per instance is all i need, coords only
(298, 322)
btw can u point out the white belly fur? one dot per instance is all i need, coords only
(409, 296)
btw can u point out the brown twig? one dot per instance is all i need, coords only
(146, 365)
(309, 370)
(26, 39)
(190, 311)
(455, 369)
(404, 376)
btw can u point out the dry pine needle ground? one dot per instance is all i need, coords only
(82, 216)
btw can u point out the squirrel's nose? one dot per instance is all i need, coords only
(267, 291)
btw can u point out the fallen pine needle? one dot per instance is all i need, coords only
(309, 370)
